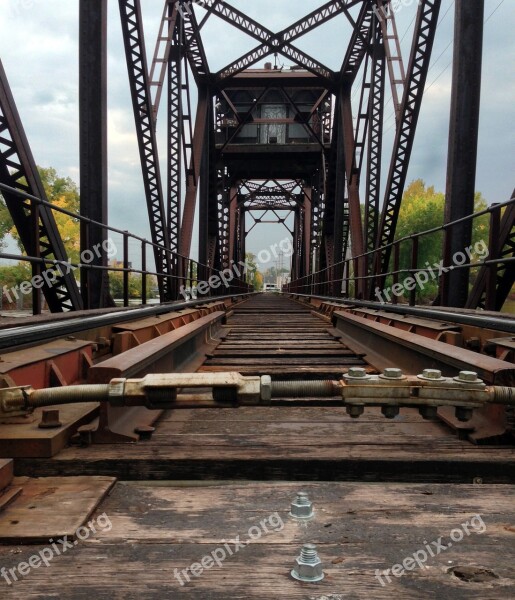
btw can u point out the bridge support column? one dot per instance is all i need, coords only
(463, 141)
(93, 147)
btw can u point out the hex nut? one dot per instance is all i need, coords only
(468, 377)
(431, 374)
(392, 373)
(302, 507)
(308, 566)
(357, 373)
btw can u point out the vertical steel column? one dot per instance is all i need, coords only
(93, 146)
(463, 141)
(306, 243)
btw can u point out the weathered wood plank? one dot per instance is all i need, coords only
(51, 507)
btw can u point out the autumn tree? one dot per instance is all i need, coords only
(62, 192)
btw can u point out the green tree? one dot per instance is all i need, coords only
(422, 209)
(61, 191)
(116, 284)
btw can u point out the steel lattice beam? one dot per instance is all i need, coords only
(134, 42)
(375, 141)
(36, 226)
(424, 35)
(175, 141)
(359, 44)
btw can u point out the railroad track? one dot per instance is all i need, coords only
(276, 336)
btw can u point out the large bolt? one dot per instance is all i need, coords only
(463, 414)
(357, 373)
(428, 412)
(393, 374)
(390, 411)
(308, 566)
(355, 410)
(433, 374)
(468, 377)
(302, 507)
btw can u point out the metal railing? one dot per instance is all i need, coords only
(187, 275)
(347, 279)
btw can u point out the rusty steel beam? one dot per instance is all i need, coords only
(93, 148)
(194, 46)
(193, 173)
(175, 142)
(135, 52)
(494, 282)
(423, 40)
(375, 143)
(359, 44)
(463, 144)
(35, 225)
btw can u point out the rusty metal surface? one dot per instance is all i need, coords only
(179, 350)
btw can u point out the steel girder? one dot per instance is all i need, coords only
(359, 44)
(493, 284)
(425, 30)
(193, 172)
(278, 42)
(375, 141)
(194, 46)
(134, 42)
(35, 224)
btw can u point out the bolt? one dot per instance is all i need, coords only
(308, 566)
(302, 507)
(266, 389)
(49, 419)
(477, 481)
(144, 431)
(463, 414)
(393, 374)
(468, 377)
(357, 372)
(355, 410)
(431, 374)
(390, 411)
(428, 412)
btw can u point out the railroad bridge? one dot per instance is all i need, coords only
(342, 425)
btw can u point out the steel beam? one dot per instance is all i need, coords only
(93, 147)
(36, 225)
(135, 52)
(193, 173)
(424, 35)
(375, 143)
(463, 142)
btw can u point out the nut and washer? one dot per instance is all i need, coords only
(308, 566)
(302, 507)
(468, 377)
(431, 375)
(392, 373)
(356, 373)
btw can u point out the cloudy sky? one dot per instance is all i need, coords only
(38, 47)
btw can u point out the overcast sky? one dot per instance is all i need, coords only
(38, 47)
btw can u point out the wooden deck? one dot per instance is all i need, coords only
(157, 529)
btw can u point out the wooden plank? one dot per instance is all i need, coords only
(51, 508)
(6, 472)
(358, 529)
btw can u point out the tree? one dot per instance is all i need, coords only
(422, 209)
(64, 193)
